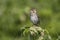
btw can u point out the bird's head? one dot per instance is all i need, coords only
(33, 10)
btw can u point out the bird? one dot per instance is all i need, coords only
(34, 17)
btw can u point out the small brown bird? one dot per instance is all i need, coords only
(34, 16)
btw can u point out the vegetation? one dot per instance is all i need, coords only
(15, 23)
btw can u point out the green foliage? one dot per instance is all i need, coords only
(14, 16)
(36, 33)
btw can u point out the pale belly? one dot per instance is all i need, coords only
(34, 19)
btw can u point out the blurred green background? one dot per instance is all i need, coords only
(14, 14)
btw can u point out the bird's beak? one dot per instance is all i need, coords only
(33, 11)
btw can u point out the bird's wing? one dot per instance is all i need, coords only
(38, 18)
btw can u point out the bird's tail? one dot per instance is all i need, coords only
(36, 24)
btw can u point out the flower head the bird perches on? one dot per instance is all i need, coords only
(33, 16)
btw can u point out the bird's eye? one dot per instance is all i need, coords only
(34, 11)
